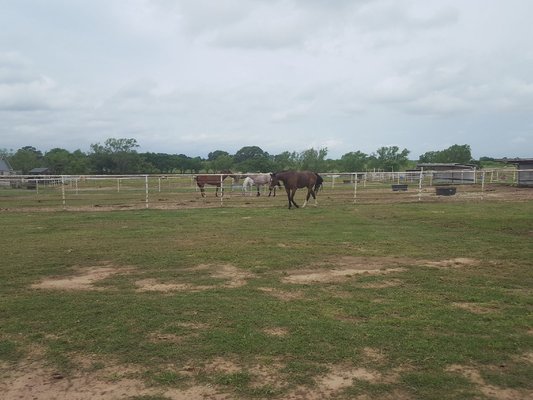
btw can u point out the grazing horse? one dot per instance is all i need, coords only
(293, 180)
(214, 180)
(258, 180)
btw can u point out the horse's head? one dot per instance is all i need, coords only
(226, 172)
(274, 181)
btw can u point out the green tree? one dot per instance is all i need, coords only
(116, 156)
(285, 161)
(313, 160)
(460, 154)
(354, 161)
(215, 154)
(57, 160)
(390, 158)
(222, 163)
(26, 158)
(252, 159)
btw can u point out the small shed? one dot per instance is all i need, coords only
(450, 173)
(39, 171)
(525, 170)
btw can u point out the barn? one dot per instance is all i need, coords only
(450, 173)
(525, 170)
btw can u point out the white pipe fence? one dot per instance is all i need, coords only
(180, 190)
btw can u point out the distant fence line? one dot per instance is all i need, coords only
(146, 191)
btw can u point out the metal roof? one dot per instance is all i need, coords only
(516, 160)
(5, 166)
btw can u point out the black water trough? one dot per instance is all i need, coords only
(445, 191)
(399, 188)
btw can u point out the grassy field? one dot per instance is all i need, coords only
(386, 301)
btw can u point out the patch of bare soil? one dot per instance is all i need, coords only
(475, 308)
(347, 267)
(33, 380)
(283, 294)
(276, 331)
(83, 279)
(459, 262)
(233, 277)
(382, 284)
(491, 391)
(374, 355)
(339, 378)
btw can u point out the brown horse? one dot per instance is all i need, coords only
(293, 180)
(214, 180)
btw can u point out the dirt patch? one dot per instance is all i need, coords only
(339, 378)
(283, 294)
(276, 331)
(344, 268)
(525, 357)
(382, 284)
(475, 308)
(166, 338)
(459, 262)
(153, 285)
(33, 380)
(374, 355)
(233, 277)
(491, 391)
(335, 275)
(83, 279)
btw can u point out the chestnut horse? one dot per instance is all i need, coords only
(214, 180)
(293, 180)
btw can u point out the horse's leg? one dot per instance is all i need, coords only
(202, 190)
(293, 192)
(258, 194)
(289, 197)
(307, 197)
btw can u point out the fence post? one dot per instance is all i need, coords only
(63, 192)
(355, 189)
(146, 190)
(221, 191)
(483, 183)
(420, 185)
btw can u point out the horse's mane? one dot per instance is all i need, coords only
(319, 181)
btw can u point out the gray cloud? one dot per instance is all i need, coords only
(191, 76)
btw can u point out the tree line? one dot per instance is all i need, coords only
(121, 156)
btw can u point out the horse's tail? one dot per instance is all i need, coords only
(318, 183)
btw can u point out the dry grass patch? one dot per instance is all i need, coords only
(488, 390)
(276, 331)
(34, 380)
(374, 355)
(475, 308)
(84, 278)
(346, 267)
(382, 284)
(339, 378)
(233, 277)
(283, 294)
(459, 262)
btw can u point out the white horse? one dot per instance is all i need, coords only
(258, 180)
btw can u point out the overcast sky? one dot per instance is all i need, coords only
(194, 76)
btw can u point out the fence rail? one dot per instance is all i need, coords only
(85, 192)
